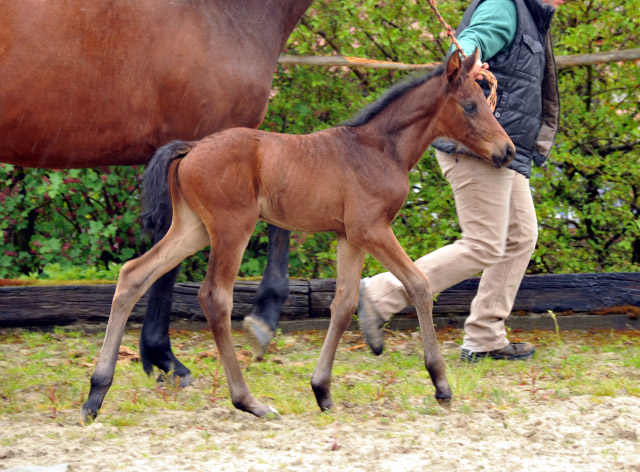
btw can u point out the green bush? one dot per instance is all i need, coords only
(78, 217)
(587, 196)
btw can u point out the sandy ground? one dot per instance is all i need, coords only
(578, 434)
(536, 432)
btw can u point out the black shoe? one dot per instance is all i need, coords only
(511, 352)
(370, 322)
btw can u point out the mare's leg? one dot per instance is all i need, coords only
(260, 325)
(155, 345)
(216, 299)
(382, 244)
(345, 302)
(186, 236)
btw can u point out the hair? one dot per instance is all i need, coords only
(391, 95)
(156, 201)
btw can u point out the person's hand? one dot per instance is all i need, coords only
(554, 3)
(477, 67)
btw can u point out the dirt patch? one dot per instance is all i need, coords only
(582, 434)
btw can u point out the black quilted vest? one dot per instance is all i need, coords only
(528, 104)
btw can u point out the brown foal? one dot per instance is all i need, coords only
(351, 180)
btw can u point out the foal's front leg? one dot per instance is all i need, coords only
(382, 244)
(350, 262)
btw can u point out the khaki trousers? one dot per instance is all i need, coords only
(499, 232)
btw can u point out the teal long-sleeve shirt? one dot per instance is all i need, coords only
(492, 29)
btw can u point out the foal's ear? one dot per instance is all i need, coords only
(470, 61)
(453, 67)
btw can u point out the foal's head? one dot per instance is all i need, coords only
(466, 117)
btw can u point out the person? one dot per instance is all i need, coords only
(494, 206)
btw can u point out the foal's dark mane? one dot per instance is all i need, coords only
(391, 95)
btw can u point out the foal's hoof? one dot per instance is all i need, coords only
(325, 406)
(272, 414)
(253, 406)
(323, 397)
(258, 334)
(176, 380)
(88, 415)
(444, 400)
(264, 412)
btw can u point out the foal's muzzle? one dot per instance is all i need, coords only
(501, 160)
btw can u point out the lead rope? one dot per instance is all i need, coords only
(492, 99)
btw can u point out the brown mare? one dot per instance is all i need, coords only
(89, 83)
(351, 180)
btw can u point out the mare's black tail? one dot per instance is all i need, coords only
(156, 201)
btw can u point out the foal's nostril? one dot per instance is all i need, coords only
(501, 160)
(509, 154)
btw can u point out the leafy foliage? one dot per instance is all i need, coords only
(76, 217)
(587, 196)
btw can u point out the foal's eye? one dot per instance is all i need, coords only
(469, 107)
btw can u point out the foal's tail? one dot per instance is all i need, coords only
(156, 201)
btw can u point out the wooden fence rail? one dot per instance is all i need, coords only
(615, 296)
(562, 62)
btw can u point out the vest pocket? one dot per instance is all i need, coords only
(534, 46)
(531, 57)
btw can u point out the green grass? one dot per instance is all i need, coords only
(49, 373)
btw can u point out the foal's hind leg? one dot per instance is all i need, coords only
(382, 244)
(350, 261)
(186, 236)
(216, 299)
(155, 344)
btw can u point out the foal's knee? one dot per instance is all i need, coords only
(215, 303)
(419, 290)
(345, 302)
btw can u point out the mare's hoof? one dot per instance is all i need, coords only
(258, 334)
(88, 415)
(186, 380)
(177, 380)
